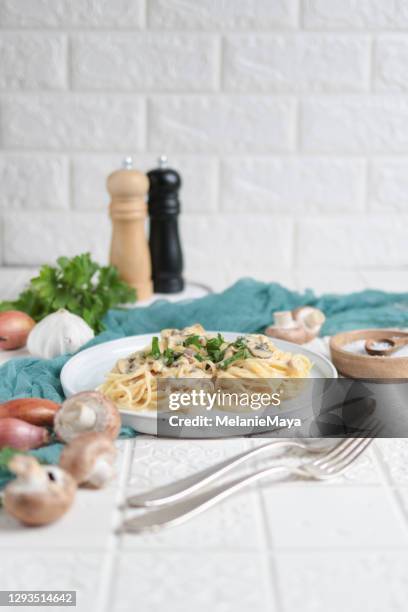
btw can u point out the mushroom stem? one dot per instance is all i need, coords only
(284, 319)
(23, 465)
(29, 471)
(85, 412)
(82, 415)
(40, 494)
(103, 471)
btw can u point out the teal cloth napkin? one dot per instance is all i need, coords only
(247, 306)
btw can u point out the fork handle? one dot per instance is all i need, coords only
(179, 512)
(175, 491)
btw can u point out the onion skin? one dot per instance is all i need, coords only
(34, 410)
(18, 434)
(14, 329)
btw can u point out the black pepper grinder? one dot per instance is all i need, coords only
(164, 241)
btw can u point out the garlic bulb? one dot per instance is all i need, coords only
(58, 333)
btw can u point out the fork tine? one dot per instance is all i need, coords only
(347, 450)
(339, 464)
(336, 450)
(343, 449)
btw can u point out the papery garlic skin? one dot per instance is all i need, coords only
(59, 333)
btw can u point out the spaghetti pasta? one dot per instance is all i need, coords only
(193, 353)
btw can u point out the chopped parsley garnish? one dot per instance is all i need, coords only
(214, 350)
(170, 356)
(193, 341)
(243, 353)
(217, 356)
(155, 352)
(215, 343)
(240, 343)
(213, 347)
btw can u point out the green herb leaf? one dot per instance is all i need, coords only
(169, 356)
(155, 352)
(243, 353)
(213, 347)
(215, 343)
(80, 285)
(6, 454)
(240, 343)
(193, 341)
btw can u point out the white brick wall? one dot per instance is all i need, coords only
(296, 63)
(288, 120)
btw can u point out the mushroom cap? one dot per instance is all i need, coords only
(296, 334)
(35, 500)
(82, 454)
(101, 415)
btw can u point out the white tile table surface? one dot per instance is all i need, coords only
(312, 547)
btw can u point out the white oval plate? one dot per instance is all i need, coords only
(86, 370)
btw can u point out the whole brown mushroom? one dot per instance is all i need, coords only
(40, 494)
(300, 325)
(90, 459)
(85, 412)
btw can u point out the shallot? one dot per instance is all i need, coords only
(14, 329)
(34, 410)
(21, 435)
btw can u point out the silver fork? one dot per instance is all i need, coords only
(179, 489)
(333, 463)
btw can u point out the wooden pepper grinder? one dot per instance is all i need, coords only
(164, 241)
(128, 210)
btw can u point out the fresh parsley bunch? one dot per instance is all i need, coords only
(80, 285)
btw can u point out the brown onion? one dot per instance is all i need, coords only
(14, 329)
(34, 410)
(21, 435)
